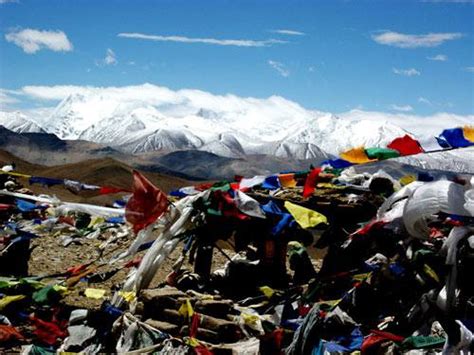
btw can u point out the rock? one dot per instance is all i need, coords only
(227, 330)
(157, 294)
(202, 334)
(166, 327)
(218, 309)
(155, 300)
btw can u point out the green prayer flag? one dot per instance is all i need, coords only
(420, 342)
(38, 350)
(221, 185)
(47, 294)
(381, 153)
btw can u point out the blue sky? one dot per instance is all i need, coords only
(328, 55)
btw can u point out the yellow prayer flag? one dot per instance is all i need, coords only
(305, 217)
(267, 291)
(331, 303)
(186, 310)
(430, 272)
(95, 293)
(12, 173)
(96, 220)
(250, 319)
(468, 132)
(361, 277)
(356, 156)
(407, 179)
(328, 185)
(60, 289)
(127, 296)
(5, 301)
(192, 342)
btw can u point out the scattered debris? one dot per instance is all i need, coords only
(320, 262)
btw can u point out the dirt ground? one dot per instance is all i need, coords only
(50, 257)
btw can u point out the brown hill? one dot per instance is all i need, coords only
(103, 172)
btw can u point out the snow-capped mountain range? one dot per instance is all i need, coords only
(19, 122)
(229, 126)
(277, 127)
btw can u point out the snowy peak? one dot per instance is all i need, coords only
(19, 123)
(167, 140)
(334, 134)
(78, 112)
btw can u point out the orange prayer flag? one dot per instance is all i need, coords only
(468, 132)
(287, 180)
(356, 156)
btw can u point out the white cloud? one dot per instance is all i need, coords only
(31, 40)
(401, 40)
(110, 58)
(289, 32)
(439, 105)
(439, 58)
(215, 41)
(406, 72)
(401, 108)
(131, 62)
(469, 69)
(424, 100)
(280, 68)
(6, 98)
(9, 97)
(311, 69)
(146, 93)
(8, 1)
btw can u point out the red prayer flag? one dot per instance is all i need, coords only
(376, 338)
(146, 204)
(134, 262)
(193, 329)
(406, 145)
(9, 333)
(203, 187)
(370, 342)
(105, 190)
(388, 335)
(4, 207)
(225, 203)
(47, 332)
(374, 224)
(76, 270)
(311, 181)
(67, 220)
(234, 185)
